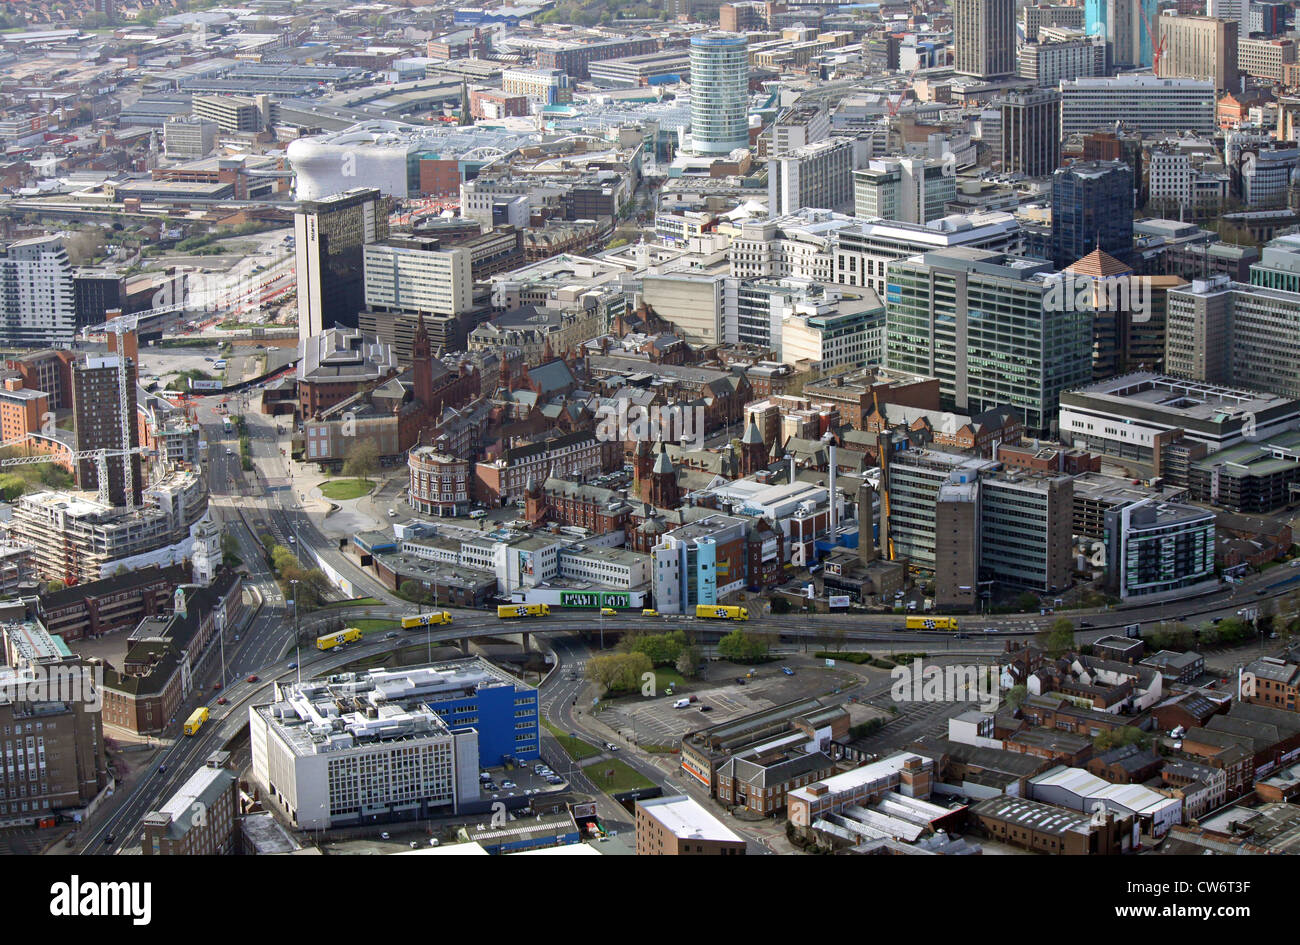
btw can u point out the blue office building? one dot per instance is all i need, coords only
(1092, 208)
(472, 693)
(1121, 22)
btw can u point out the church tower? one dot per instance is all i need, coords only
(664, 493)
(753, 452)
(422, 363)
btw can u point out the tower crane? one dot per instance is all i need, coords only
(126, 416)
(101, 458)
(1157, 44)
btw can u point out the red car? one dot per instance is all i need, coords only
(216, 687)
(221, 701)
(252, 678)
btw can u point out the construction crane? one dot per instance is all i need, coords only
(1157, 46)
(892, 105)
(101, 458)
(884, 479)
(126, 415)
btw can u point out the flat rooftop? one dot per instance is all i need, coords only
(688, 820)
(1192, 399)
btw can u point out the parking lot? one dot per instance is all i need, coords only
(720, 698)
(524, 779)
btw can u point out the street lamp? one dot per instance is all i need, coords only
(297, 644)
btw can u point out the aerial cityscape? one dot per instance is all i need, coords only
(649, 427)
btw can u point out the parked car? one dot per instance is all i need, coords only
(787, 670)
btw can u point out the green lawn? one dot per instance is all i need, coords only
(577, 749)
(613, 776)
(356, 602)
(665, 677)
(375, 625)
(345, 488)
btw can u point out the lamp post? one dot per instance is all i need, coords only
(297, 644)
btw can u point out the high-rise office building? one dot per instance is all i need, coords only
(816, 175)
(330, 239)
(1238, 11)
(37, 297)
(909, 190)
(418, 275)
(1121, 22)
(1036, 16)
(984, 37)
(719, 93)
(1092, 208)
(187, 138)
(988, 326)
(97, 408)
(1199, 47)
(1147, 104)
(798, 126)
(1219, 331)
(1031, 137)
(1046, 64)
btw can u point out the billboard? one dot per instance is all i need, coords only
(839, 601)
(206, 385)
(594, 599)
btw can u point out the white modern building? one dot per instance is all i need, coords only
(907, 190)
(414, 276)
(1144, 103)
(37, 307)
(353, 748)
(863, 251)
(815, 175)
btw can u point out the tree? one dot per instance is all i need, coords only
(662, 649)
(1016, 696)
(1118, 738)
(689, 661)
(362, 459)
(1027, 601)
(741, 646)
(53, 586)
(618, 672)
(1058, 639)
(414, 592)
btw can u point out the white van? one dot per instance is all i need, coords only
(478, 513)
(682, 704)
